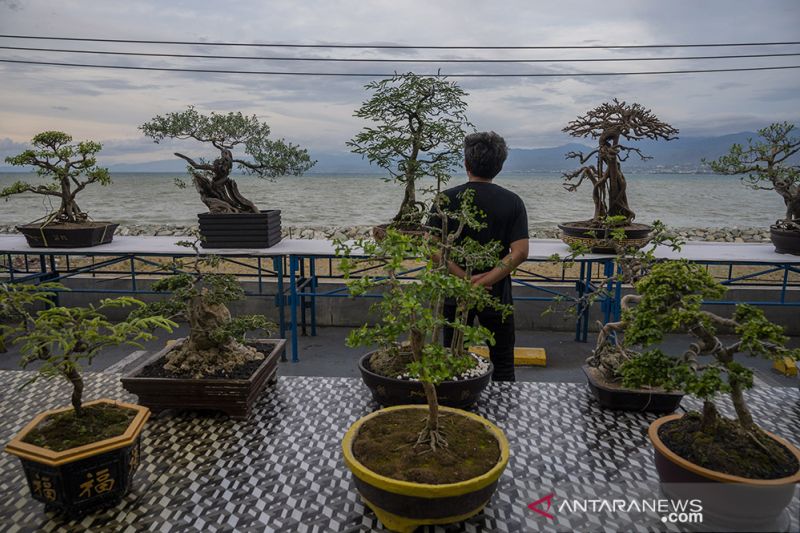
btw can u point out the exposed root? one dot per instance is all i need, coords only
(432, 438)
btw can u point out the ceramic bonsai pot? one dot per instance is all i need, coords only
(389, 391)
(600, 241)
(402, 505)
(235, 397)
(68, 235)
(729, 502)
(786, 241)
(84, 478)
(622, 399)
(240, 230)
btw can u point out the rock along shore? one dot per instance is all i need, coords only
(725, 234)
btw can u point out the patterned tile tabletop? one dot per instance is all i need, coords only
(282, 469)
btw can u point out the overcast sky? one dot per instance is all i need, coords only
(316, 112)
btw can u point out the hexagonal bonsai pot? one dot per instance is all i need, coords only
(81, 479)
(84, 456)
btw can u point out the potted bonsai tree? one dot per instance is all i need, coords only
(767, 164)
(84, 456)
(216, 366)
(389, 371)
(70, 167)
(232, 220)
(610, 124)
(415, 464)
(603, 367)
(744, 475)
(418, 128)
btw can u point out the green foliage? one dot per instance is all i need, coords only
(238, 327)
(671, 295)
(213, 288)
(418, 128)
(411, 311)
(16, 301)
(764, 164)
(438, 365)
(60, 339)
(268, 158)
(70, 166)
(669, 301)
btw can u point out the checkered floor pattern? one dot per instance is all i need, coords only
(282, 470)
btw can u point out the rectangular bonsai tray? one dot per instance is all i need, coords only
(234, 397)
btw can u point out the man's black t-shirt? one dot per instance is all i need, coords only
(504, 215)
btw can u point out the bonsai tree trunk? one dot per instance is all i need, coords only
(430, 434)
(69, 210)
(217, 190)
(200, 354)
(72, 374)
(617, 196)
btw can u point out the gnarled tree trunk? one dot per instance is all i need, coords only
(200, 355)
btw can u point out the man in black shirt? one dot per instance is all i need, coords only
(507, 223)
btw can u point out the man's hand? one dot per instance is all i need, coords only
(519, 253)
(476, 279)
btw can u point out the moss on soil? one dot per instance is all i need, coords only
(63, 431)
(385, 445)
(727, 449)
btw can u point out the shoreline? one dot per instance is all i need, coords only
(720, 234)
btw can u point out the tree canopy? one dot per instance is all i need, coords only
(70, 166)
(418, 129)
(264, 157)
(609, 123)
(766, 165)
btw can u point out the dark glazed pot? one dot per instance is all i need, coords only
(631, 399)
(391, 391)
(599, 239)
(729, 502)
(235, 397)
(786, 241)
(80, 480)
(240, 230)
(68, 235)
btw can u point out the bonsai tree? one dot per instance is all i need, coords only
(669, 301)
(266, 158)
(216, 339)
(419, 124)
(765, 165)
(70, 167)
(610, 124)
(59, 339)
(411, 318)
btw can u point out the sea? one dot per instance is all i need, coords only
(678, 200)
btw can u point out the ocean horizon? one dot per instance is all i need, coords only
(679, 200)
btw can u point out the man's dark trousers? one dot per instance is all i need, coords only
(502, 352)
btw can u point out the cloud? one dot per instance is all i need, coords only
(109, 105)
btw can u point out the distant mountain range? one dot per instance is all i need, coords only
(681, 155)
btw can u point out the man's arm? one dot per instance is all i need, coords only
(518, 254)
